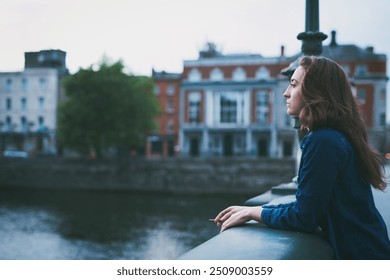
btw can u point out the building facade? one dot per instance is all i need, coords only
(164, 141)
(28, 103)
(233, 105)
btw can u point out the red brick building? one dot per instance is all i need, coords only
(164, 141)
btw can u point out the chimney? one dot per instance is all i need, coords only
(282, 51)
(370, 49)
(333, 40)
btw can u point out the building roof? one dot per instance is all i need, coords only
(163, 75)
(349, 51)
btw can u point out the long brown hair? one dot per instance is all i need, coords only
(329, 102)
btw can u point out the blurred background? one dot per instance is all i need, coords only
(126, 125)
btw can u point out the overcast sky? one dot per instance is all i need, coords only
(160, 34)
(163, 33)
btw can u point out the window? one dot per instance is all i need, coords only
(239, 74)
(170, 126)
(361, 70)
(170, 89)
(262, 107)
(43, 84)
(216, 75)
(361, 95)
(170, 108)
(23, 123)
(41, 103)
(8, 104)
(8, 85)
(41, 123)
(194, 107)
(8, 123)
(262, 73)
(228, 105)
(194, 75)
(23, 103)
(24, 85)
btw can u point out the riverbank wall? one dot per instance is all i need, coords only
(178, 175)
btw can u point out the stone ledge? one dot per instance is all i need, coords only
(258, 242)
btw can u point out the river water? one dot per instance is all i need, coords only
(72, 225)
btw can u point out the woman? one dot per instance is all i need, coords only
(337, 169)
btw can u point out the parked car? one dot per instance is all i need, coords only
(15, 154)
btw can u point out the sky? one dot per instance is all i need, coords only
(161, 34)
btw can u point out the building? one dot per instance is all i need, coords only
(233, 104)
(165, 140)
(28, 103)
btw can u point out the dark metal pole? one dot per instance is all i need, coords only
(312, 16)
(312, 38)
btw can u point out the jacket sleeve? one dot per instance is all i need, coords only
(323, 156)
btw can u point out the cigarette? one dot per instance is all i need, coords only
(212, 220)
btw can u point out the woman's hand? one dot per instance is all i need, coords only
(237, 215)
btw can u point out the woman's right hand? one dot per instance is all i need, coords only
(237, 215)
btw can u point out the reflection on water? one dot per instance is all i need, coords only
(44, 224)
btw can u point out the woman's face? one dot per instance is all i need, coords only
(293, 95)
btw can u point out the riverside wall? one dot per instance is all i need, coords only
(179, 175)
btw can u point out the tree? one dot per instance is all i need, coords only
(106, 108)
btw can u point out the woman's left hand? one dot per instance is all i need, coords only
(237, 215)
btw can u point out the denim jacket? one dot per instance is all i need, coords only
(334, 199)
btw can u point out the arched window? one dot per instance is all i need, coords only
(239, 74)
(194, 75)
(216, 75)
(262, 73)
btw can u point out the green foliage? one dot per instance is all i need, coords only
(106, 108)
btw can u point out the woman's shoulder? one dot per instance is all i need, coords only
(326, 136)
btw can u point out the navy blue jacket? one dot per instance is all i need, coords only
(332, 198)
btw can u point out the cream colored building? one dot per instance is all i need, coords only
(28, 103)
